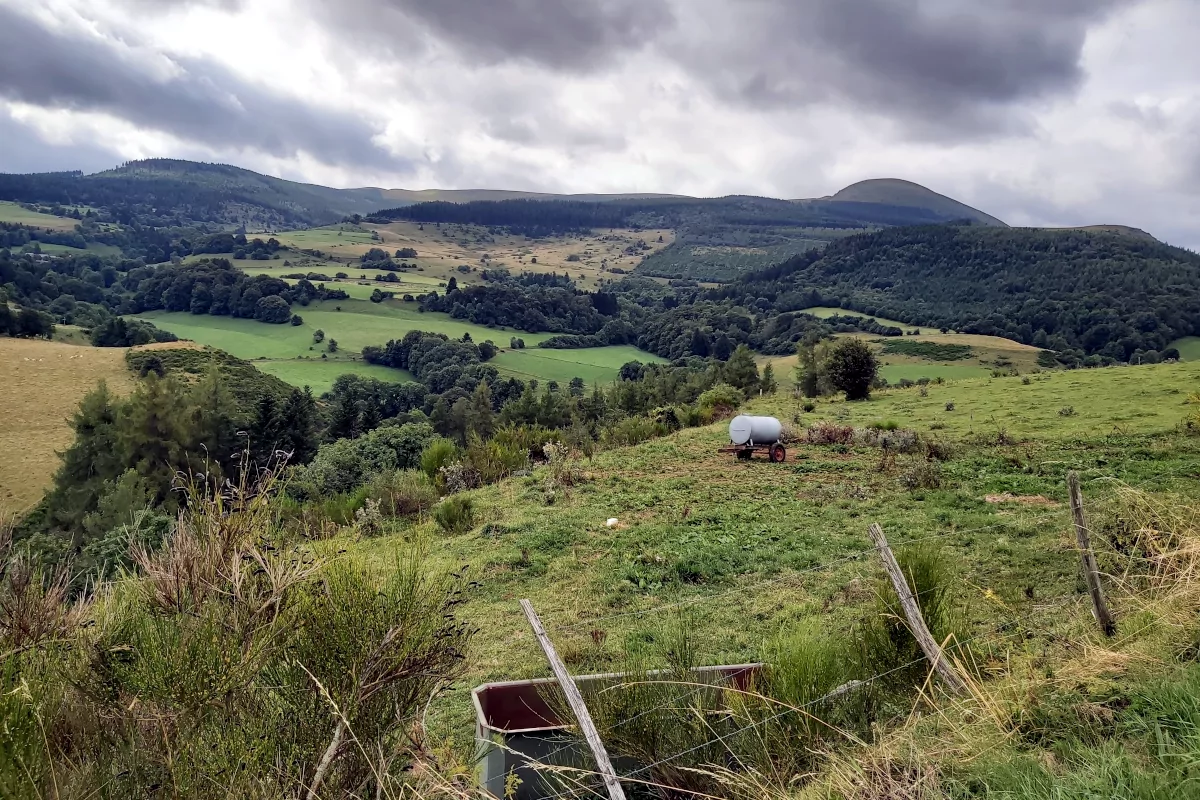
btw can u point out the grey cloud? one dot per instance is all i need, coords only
(194, 99)
(25, 151)
(951, 63)
(559, 34)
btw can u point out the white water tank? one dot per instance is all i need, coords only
(754, 430)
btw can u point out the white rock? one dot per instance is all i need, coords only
(612, 522)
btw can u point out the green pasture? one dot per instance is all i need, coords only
(593, 364)
(93, 247)
(1074, 404)
(1188, 347)
(319, 374)
(950, 372)
(13, 213)
(824, 312)
(361, 323)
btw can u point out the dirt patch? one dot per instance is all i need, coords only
(1022, 499)
(41, 384)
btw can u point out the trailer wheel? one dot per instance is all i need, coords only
(777, 454)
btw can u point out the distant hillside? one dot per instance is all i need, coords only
(1096, 292)
(472, 195)
(894, 192)
(165, 192)
(1123, 230)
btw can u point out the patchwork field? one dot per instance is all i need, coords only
(442, 249)
(11, 212)
(41, 383)
(288, 351)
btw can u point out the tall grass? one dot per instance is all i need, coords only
(232, 664)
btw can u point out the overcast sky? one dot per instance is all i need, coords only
(1040, 112)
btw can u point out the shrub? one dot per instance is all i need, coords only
(437, 454)
(851, 367)
(342, 466)
(631, 431)
(925, 474)
(720, 401)
(809, 407)
(496, 458)
(404, 493)
(884, 425)
(1067, 411)
(949, 406)
(455, 514)
(829, 433)
(459, 477)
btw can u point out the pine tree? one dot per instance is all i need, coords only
(343, 422)
(154, 431)
(265, 429)
(480, 418)
(741, 371)
(96, 455)
(212, 420)
(299, 426)
(767, 384)
(808, 376)
(723, 348)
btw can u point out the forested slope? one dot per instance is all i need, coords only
(1097, 292)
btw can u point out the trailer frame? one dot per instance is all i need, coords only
(775, 452)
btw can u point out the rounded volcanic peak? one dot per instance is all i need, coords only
(896, 192)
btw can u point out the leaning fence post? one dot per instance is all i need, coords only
(912, 612)
(1087, 558)
(575, 700)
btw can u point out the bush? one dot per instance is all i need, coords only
(809, 407)
(455, 514)
(851, 367)
(720, 401)
(631, 431)
(341, 467)
(1067, 411)
(496, 458)
(829, 433)
(925, 474)
(437, 454)
(404, 493)
(949, 406)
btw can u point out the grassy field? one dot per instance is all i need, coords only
(93, 247)
(319, 375)
(824, 312)
(1188, 347)
(41, 383)
(735, 551)
(593, 364)
(361, 323)
(442, 249)
(11, 212)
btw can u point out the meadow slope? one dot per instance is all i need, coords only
(41, 384)
(737, 551)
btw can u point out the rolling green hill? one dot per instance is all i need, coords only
(1101, 294)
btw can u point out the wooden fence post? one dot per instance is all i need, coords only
(1087, 558)
(575, 699)
(912, 611)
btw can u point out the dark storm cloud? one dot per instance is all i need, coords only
(191, 98)
(24, 151)
(558, 34)
(939, 62)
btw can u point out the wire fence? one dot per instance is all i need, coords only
(1061, 513)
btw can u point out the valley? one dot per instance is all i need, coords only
(342, 441)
